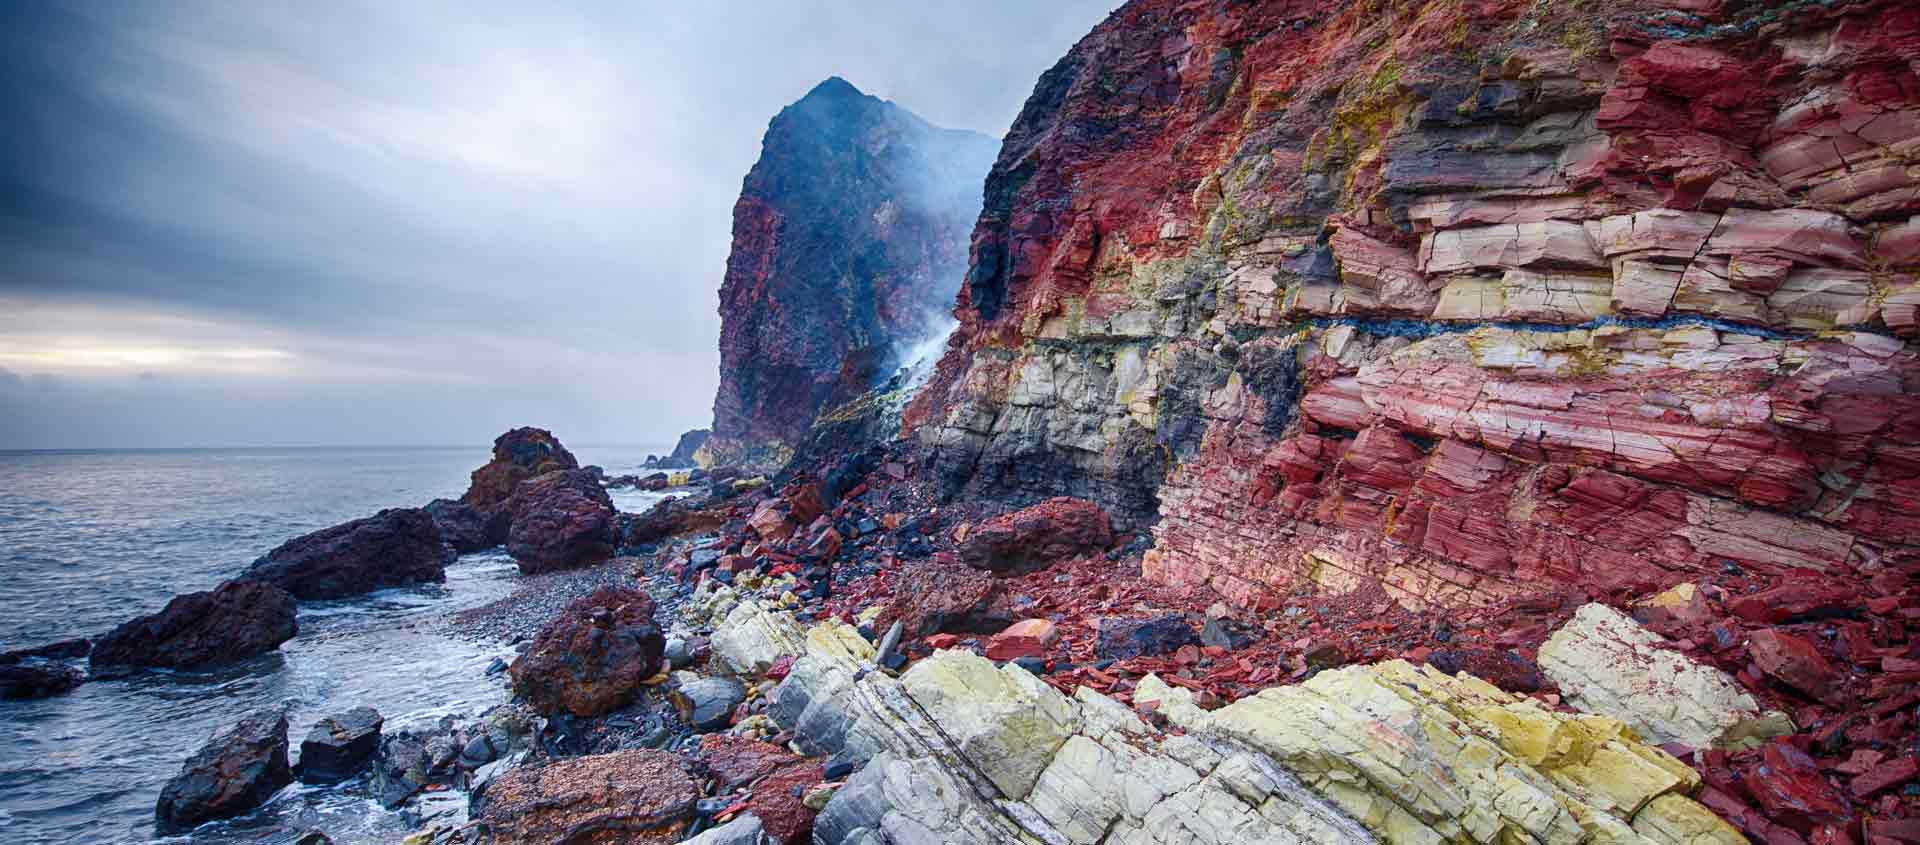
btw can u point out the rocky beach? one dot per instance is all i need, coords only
(1465, 421)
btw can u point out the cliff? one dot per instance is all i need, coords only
(849, 240)
(1470, 300)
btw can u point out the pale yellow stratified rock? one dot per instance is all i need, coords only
(752, 638)
(1606, 663)
(1004, 719)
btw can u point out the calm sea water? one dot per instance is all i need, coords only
(90, 539)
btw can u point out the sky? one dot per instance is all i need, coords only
(419, 223)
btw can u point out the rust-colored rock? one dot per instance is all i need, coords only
(1793, 660)
(561, 520)
(1035, 537)
(518, 455)
(1025, 638)
(592, 658)
(943, 596)
(640, 797)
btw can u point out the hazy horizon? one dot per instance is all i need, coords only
(361, 225)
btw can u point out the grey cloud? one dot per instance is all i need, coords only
(503, 214)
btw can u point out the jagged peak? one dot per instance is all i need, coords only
(835, 87)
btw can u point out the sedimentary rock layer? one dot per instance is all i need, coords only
(849, 239)
(1473, 300)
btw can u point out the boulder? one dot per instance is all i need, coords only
(707, 704)
(944, 596)
(753, 637)
(778, 780)
(37, 678)
(237, 771)
(561, 520)
(392, 548)
(235, 621)
(465, 528)
(1606, 663)
(1120, 638)
(518, 455)
(1508, 670)
(339, 746)
(640, 797)
(1034, 537)
(592, 658)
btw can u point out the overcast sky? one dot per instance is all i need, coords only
(414, 223)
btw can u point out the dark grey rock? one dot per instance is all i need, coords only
(37, 678)
(707, 704)
(1124, 639)
(235, 772)
(338, 747)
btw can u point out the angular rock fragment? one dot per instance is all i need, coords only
(339, 746)
(1606, 663)
(1034, 537)
(235, 772)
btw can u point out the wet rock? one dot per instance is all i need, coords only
(236, 771)
(638, 797)
(1126, 638)
(1034, 537)
(561, 520)
(37, 678)
(465, 528)
(392, 548)
(518, 455)
(237, 620)
(338, 747)
(1606, 663)
(707, 704)
(592, 658)
(1025, 638)
(62, 650)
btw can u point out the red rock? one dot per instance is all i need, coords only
(799, 332)
(1025, 638)
(1787, 784)
(940, 641)
(592, 658)
(1793, 660)
(943, 596)
(518, 455)
(770, 522)
(1797, 601)
(1035, 537)
(1889, 774)
(636, 797)
(561, 520)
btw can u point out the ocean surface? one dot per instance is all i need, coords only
(89, 539)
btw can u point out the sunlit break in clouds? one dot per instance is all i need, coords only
(415, 223)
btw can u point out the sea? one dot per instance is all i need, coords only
(89, 539)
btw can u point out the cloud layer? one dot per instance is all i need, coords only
(411, 223)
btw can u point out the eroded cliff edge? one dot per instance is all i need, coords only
(849, 240)
(1468, 299)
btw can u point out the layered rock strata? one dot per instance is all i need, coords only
(1474, 301)
(958, 750)
(849, 238)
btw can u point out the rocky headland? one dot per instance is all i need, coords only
(1433, 422)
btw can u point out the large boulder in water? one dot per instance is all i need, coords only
(518, 455)
(561, 520)
(235, 772)
(39, 672)
(639, 797)
(465, 528)
(235, 621)
(592, 658)
(392, 548)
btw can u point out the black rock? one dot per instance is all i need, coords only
(1124, 639)
(338, 747)
(839, 766)
(37, 678)
(62, 650)
(465, 528)
(498, 665)
(1035, 665)
(394, 547)
(235, 772)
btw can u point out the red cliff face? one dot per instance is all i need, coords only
(1471, 300)
(849, 240)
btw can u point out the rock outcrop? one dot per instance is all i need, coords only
(628, 797)
(593, 657)
(561, 520)
(338, 747)
(958, 750)
(687, 451)
(392, 548)
(518, 455)
(235, 621)
(464, 528)
(237, 771)
(1473, 301)
(849, 239)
